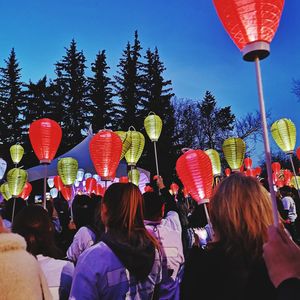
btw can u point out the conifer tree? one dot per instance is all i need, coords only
(128, 86)
(100, 94)
(70, 89)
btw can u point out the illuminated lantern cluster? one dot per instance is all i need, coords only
(251, 24)
(126, 142)
(234, 152)
(134, 176)
(67, 168)
(16, 179)
(136, 148)
(153, 126)
(215, 161)
(105, 152)
(16, 153)
(45, 136)
(194, 169)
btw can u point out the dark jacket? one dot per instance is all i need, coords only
(211, 274)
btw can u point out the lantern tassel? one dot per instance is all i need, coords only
(266, 139)
(294, 171)
(45, 185)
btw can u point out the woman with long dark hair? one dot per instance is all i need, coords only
(126, 263)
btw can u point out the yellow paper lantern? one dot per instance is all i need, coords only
(16, 153)
(215, 161)
(5, 191)
(126, 142)
(136, 148)
(284, 133)
(293, 182)
(153, 126)
(134, 176)
(67, 168)
(234, 151)
(16, 179)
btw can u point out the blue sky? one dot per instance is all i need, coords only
(195, 48)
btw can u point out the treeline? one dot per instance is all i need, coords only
(78, 101)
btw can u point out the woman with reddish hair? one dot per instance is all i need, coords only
(126, 263)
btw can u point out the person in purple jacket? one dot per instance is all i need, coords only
(126, 263)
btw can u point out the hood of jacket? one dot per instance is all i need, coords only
(137, 255)
(11, 241)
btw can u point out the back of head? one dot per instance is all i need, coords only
(241, 212)
(152, 206)
(34, 224)
(286, 191)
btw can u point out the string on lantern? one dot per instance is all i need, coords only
(45, 136)
(153, 127)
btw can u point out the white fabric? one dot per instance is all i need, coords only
(289, 204)
(58, 274)
(83, 239)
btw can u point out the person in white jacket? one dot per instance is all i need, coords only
(21, 276)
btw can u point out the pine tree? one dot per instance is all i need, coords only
(70, 88)
(100, 94)
(11, 101)
(157, 95)
(128, 86)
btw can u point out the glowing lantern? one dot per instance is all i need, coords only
(50, 182)
(4, 189)
(195, 172)
(280, 183)
(67, 168)
(242, 168)
(284, 133)
(3, 166)
(251, 24)
(258, 171)
(174, 188)
(287, 176)
(298, 153)
(105, 152)
(16, 153)
(58, 183)
(134, 176)
(136, 149)
(87, 175)
(293, 182)
(234, 151)
(91, 185)
(126, 142)
(123, 179)
(76, 183)
(250, 172)
(248, 162)
(66, 191)
(26, 191)
(153, 126)
(54, 192)
(97, 177)
(45, 136)
(80, 174)
(185, 192)
(99, 190)
(276, 167)
(215, 161)
(16, 179)
(227, 172)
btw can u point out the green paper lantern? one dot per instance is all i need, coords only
(126, 142)
(5, 191)
(215, 161)
(284, 134)
(16, 153)
(67, 168)
(234, 151)
(136, 148)
(134, 176)
(293, 182)
(16, 179)
(153, 126)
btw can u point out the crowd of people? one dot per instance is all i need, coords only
(129, 245)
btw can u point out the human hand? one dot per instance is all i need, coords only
(72, 225)
(281, 255)
(159, 182)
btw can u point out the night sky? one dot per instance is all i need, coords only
(195, 48)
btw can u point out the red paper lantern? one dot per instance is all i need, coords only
(123, 179)
(26, 191)
(280, 183)
(258, 171)
(45, 136)
(251, 24)
(148, 188)
(274, 178)
(287, 176)
(248, 162)
(66, 191)
(174, 188)
(58, 182)
(250, 172)
(105, 152)
(185, 192)
(91, 185)
(276, 167)
(99, 190)
(298, 153)
(242, 168)
(227, 172)
(195, 172)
